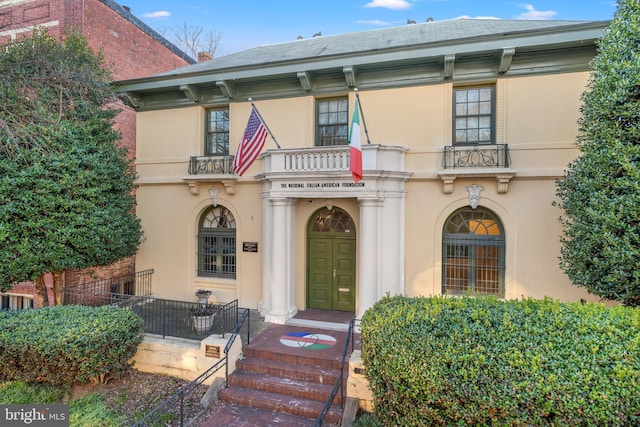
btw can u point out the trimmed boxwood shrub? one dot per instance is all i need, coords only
(483, 361)
(64, 345)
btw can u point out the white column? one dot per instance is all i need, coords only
(369, 260)
(282, 261)
(393, 236)
(267, 253)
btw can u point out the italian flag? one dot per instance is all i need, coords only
(355, 148)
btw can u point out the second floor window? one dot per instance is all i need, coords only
(332, 122)
(217, 138)
(474, 115)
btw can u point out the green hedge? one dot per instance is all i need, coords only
(64, 345)
(482, 361)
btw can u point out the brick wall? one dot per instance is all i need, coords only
(130, 50)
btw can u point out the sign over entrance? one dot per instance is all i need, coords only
(317, 185)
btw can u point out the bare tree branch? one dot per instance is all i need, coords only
(194, 39)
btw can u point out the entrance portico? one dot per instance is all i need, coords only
(322, 175)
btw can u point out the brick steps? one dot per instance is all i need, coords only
(276, 402)
(292, 371)
(284, 383)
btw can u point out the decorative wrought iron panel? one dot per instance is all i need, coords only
(219, 165)
(477, 156)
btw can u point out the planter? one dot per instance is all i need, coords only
(202, 324)
(203, 296)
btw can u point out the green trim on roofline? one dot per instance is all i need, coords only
(417, 54)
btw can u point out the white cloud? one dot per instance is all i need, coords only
(157, 14)
(390, 4)
(375, 22)
(532, 13)
(476, 17)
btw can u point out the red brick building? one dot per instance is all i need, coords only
(131, 49)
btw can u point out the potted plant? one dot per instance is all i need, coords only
(203, 295)
(202, 316)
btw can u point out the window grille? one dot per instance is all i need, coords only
(217, 244)
(473, 252)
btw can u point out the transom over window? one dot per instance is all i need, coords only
(333, 122)
(473, 252)
(217, 138)
(217, 243)
(473, 113)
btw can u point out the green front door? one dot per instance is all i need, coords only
(331, 266)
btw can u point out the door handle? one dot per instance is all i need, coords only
(334, 273)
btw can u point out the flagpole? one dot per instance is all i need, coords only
(364, 123)
(263, 122)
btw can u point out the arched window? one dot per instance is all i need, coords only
(332, 221)
(217, 243)
(473, 252)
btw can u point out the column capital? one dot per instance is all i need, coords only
(370, 201)
(282, 201)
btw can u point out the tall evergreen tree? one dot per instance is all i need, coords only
(66, 186)
(600, 194)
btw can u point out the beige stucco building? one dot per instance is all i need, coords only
(469, 123)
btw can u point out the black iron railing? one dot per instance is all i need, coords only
(477, 156)
(339, 386)
(92, 293)
(211, 165)
(173, 406)
(180, 318)
(163, 317)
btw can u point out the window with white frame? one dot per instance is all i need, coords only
(332, 121)
(217, 138)
(474, 115)
(473, 253)
(217, 243)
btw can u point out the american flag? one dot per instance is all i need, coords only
(251, 144)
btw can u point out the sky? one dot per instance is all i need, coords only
(244, 24)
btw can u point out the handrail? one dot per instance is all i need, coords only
(340, 382)
(232, 338)
(179, 396)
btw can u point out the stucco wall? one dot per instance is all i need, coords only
(536, 117)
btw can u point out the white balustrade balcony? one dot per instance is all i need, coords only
(331, 160)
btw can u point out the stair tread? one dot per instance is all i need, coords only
(279, 403)
(316, 360)
(288, 370)
(287, 386)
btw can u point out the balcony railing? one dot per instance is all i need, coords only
(317, 160)
(332, 160)
(211, 165)
(477, 156)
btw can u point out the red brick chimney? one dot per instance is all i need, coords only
(204, 56)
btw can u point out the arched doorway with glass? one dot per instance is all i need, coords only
(473, 253)
(331, 260)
